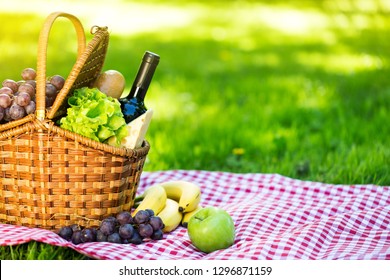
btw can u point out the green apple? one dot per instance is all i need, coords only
(211, 229)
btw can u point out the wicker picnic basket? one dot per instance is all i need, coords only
(51, 177)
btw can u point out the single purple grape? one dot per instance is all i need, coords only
(156, 223)
(29, 74)
(57, 81)
(107, 227)
(76, 237)
(5, 100)
(27, 87)
(7, 116)
(126, 231)
(16, 112)
(136, 238)
(100, 237)
(2, 113)
(145, 230)
(150, 212)
(66, 233)
(88, 235)
(7, 91)
(23, 99)
(31, 82)
(76, 227)
(51, 90)
(141, 217)
(124, 218)
(114, 238)
(30, 108)
(11, 84)
(157, 235)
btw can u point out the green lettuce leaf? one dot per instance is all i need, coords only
(95, 115)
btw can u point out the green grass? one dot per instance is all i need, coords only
(301, 89)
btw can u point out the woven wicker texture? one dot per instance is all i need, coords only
(51, 177)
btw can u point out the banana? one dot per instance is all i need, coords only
(187, 216)
(153, 198)
(187, 194)
(170, 215)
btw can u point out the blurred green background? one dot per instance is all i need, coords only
(299, 88)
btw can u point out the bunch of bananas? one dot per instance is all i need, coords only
(175, 202)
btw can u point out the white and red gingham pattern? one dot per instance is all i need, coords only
(275, 217)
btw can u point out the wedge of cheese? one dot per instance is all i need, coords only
(137, 129)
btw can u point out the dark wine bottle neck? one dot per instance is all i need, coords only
(137, 92)
(144, 76)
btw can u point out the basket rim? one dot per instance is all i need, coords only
(48, 126)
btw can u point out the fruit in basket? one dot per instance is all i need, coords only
(28, 88)
(211, 229)
(58, 81)
(33, 83)
(51, 90)
(186, 193)
(28, 74)
(111, 230)
(22, 95)
(16, 112)
(5, 100)
(111, 82)
(22, 99)
(6, 116)
(11, 84)
(6, 90)
(30, 108)
(2, 113)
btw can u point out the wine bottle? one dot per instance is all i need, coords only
(133, 104)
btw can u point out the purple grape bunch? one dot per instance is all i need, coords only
(17, 98)
(122, 229)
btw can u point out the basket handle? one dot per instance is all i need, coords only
(42, 56)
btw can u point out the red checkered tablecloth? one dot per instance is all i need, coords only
(275, 217)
